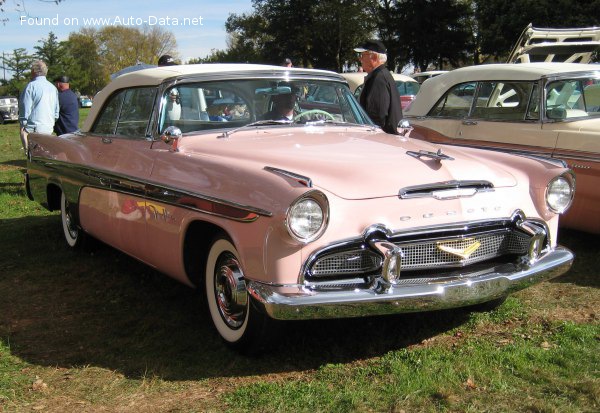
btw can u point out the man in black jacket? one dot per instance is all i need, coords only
(379, 97)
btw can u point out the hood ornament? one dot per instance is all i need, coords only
(437, 156)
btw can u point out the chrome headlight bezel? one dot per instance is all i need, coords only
(313, 199)
(565, 199)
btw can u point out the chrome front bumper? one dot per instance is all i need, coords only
(298, 302)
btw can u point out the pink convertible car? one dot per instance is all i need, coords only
(231, 179)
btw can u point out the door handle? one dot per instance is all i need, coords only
(469, 122)
(106, 140)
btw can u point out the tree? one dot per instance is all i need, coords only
(92, 55)
(120, 46)
(19, 63)
(84, 67)
(313, 34)
(447, 42)
(52, 52)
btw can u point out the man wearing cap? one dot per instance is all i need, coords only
(379, 97)
(166, 60)
(68, 118)
(38, 104)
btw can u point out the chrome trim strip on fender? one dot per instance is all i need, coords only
(301, 179)
(155, 192)
(302, 303)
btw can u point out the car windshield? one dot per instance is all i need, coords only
(202, 106)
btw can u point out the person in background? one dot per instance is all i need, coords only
(38, 104)
(166, 60)
(68, 118)
(287, 62)
(283, 107)
(379, 97)
(173, 106)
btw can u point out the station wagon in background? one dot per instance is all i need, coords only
(546, 109)
(407, 86)
(322, 216)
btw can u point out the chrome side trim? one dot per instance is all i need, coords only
(125, 184)
(301, 303)
(304, 180)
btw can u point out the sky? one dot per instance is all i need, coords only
(198, 25)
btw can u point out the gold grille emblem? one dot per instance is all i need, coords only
(463, 248)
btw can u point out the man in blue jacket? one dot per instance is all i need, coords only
(68, 119)
(38, 104)
(379, 97)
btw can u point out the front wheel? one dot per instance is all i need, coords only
(73, 235)
(238, 322)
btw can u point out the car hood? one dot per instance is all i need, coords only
(353, 162)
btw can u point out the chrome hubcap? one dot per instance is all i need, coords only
(69, 222)
(230, 290)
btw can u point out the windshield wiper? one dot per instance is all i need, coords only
(228, 133)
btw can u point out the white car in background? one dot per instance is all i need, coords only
(407, 86)
(423, 76)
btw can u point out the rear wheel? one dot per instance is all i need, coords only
(234, 316)
(73, 235)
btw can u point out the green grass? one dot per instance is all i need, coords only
(99, 331)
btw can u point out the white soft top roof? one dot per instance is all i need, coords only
(156, 75)
(434, 88)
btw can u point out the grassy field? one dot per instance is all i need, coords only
(97, 331)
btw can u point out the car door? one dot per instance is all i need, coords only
(113, 207)
(443, 121)
(579, 144)
(506, 115)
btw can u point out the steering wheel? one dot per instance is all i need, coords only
(313, 112)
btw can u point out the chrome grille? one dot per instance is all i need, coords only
(424, 254)
(427, 254)
(347, 263)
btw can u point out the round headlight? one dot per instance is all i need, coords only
(306, 219)
(559, 194)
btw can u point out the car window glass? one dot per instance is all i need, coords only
(456, 103)
(407, 88)
(573, 98)
(357, 91)
(533, 112)
(231, 104)
(501, 101)
(107, 120)
(136, 112)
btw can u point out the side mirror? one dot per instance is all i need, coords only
(170, 136)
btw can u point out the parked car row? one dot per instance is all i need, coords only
(321, 216)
